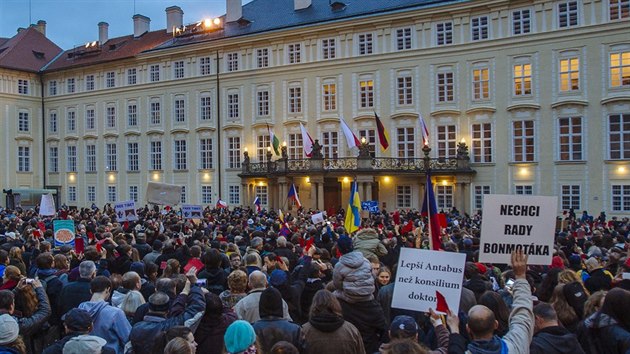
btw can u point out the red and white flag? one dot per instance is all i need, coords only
(307, 141)
(221, 204)
(425, 131)
(352, 139)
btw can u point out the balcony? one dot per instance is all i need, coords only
(363, 163)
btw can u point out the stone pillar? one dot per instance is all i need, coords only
(246, 199)
(320, 195)
(313, 194)
(368, 190)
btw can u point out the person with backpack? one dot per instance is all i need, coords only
(53, 287)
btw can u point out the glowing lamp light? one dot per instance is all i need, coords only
(621, 169)
(71, 178)
(444, 182)
(523, 171)
(261, 183)
(387, 179)
(463, 141)
(284, 143)
(345, 180)
(363, 140)
(206, 176)
(245, 149)
(112, 178)
(207, 23)
(308, 179)
(269, 148)
(217, 21)
(156, 176)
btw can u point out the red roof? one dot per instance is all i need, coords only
(113, 49)
(29, 50)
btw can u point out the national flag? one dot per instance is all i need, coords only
(425, 131)
(353, 217)
(221, 204)
(442, 305)
(383, 137)
(351, 139)
(307, 141)
(280, 215)
(429, 208)
(275, 143)
(294, 195)
(257, 204)
(284, 230)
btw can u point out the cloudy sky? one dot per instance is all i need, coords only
(74, 22)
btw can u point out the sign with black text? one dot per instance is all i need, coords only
(429, 279)
(126, 211)
(514, 222)
(192, 211)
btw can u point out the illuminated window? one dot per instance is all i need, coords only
(620, 69)
(569, 74)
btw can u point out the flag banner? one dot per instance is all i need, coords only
(353, 216)
(429, 209)
(221, 204)
(47, 205)
(125, 211)
(383, 137)
(293, 194)
(307, 141)
(163, 193)
(190, 211)
(429, 279)
(513, 222)
(425, 131)
(257, 204)
(63, 233)
(351, 139)
(275, 143)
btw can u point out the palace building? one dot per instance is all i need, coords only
(519, 97)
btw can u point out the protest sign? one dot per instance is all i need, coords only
(317, 218)
(370, 205)
(163, 193)
(126, 211)
(515, 222)
(429, 279)
(47, 205)
(192, 211)
(63, 232)
(625, 276)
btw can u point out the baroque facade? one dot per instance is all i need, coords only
(520, 97)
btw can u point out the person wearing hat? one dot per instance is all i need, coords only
(599, 278)
(85, 344)
(240, 338)
(405, 328)
(144, 333)
(141, 244)
(272, 327)
(77, 322)
(109, 322)
(10, 340)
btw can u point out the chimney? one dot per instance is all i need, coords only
(103, 34)
(234, 10)
(141, 25)
(41, 27)
(301, 4)
(174, 18)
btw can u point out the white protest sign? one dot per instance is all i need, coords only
(163, 193)
(317, 218)
(192, 211)
(126, 211)
(512, 222)
(429, 279)
(625, 276)
(47, 205)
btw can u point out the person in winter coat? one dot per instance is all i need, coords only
(144, 334)
(73, 294)
(216, 279)
(608, 330)
(110, 323)
(482, 324)
(326, 331)
(10, 340)
(354, 288)
(76, 322)
(212, 325)
(272, 327)
(248, 308)
(550, 337)
(366, 241)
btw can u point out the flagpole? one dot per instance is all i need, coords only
(427, 166)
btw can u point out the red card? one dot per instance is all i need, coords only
(192, 263)
(309, 244)
(163, 265)
(79, 245)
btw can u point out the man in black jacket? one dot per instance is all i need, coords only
(145, 333)
(550, 337)
(77, 322)
(272, 327)
(73, 294)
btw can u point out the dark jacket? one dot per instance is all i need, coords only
(598, 280)
(145, 333)
(143, 248)
(216, 280)
(458, 345)
(53, 291)
(121, 264)
(285, 252)
(30, 325)
(57, 347)
(601, 334)
(368, 318)
(272, 328)
(555, 340)
(209, 334)
(8, 350)
(73, 294)
(331, 334)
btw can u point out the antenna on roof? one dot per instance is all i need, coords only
(134, 7)
(30, 10)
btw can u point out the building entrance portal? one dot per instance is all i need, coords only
(332, 195)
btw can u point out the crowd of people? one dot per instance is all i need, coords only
(246, 281)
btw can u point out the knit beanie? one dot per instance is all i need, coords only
(239, 336)
(9, 329)
(344, 244)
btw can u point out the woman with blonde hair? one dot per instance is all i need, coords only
(594, 303)
(15, 259)
(237, 289)
(130, 304)
(567, 314)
